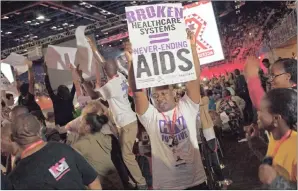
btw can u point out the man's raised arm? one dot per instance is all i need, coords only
(140, 96)
(193, 87)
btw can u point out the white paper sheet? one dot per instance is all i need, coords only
(84, 54)
(55, 57)
(17, 61)
(7, 71)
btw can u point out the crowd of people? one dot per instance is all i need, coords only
(245, 33)
(95, 147)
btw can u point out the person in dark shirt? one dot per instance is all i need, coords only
(62, 102)
(242, 91)
(27, 97)
(51, 165)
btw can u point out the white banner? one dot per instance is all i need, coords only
(161, 51)
(199, 17)
(56, 57)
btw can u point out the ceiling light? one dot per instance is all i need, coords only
(109, 13)
(59, 29)
(83, 3)
(97, 35)
(17, 13)
(48, 19)
(8, 32)
(1, 31)
(53, 27)
(106, 33)
(5, 17)
(27, 36)
(121, 40)
(110, 45)
(35, 37)
(71, 25)
(36, 100)
(27, 22)
(103, 11)
(40, 17)
(64, 24)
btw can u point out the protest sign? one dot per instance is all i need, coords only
(161, 51)
(17, 61)
(55, 57)
(199, 18)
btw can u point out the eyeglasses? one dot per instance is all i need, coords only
(272, 77)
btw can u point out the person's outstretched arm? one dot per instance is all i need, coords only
(99, 62)
(30, 76)
(254, 85)
(48, 83)
(140, 96)
(193, 87)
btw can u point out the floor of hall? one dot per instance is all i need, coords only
(241, 163)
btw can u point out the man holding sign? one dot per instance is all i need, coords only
(161, 51)
(176, 160)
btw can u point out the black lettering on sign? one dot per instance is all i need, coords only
(189, 64)
(171, 59)
(140, 69)
(164, 57)
(155, 63)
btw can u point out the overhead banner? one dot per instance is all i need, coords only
(199, 17)
(161, 51)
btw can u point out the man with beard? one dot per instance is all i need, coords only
(176, 160)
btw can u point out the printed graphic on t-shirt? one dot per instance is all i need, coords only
(181, 132)
(59, 169)
(124, 87)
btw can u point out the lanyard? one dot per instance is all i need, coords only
(283, 139)
(32, 146)
(172, 124)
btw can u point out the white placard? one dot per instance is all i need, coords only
(17, 61)
(84, 55)
(161, 51)
(55, 57)
(199, 17)
(7, 71)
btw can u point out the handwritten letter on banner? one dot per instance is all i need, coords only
(161, 51)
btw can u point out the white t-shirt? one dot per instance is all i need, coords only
(115, 91)
(166, 175)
